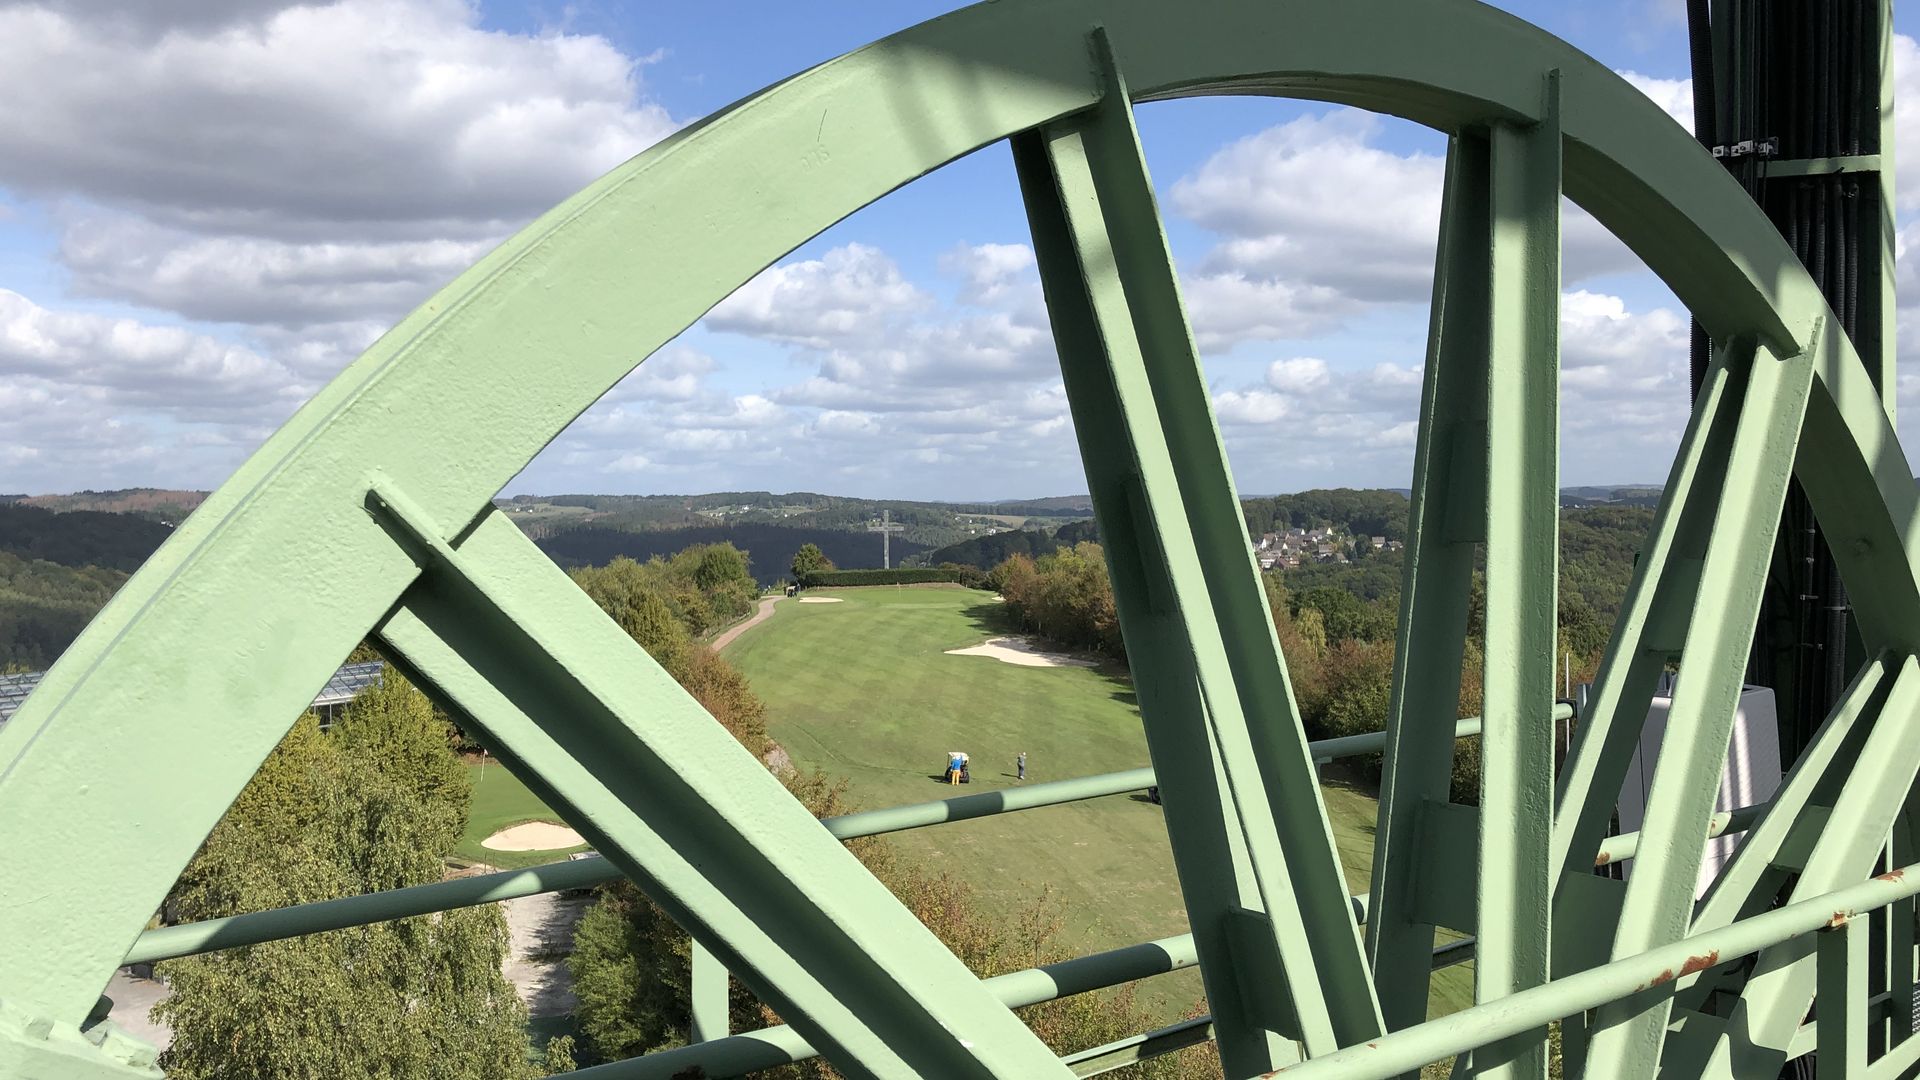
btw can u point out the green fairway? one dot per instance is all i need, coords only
(501, 800)
(864, 690)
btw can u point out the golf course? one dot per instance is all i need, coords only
(870, 689)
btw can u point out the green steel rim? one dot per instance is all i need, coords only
(147, 728)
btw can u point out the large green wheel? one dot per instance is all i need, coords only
(370, 513)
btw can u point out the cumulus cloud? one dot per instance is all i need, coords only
(300, 173)
(1674, 96)
(129, 363)
(1316, 223)
(257, 280)
(990, 273)
(1906, 121)
(1287, 200)
(84, 394)
(896, 378)
(350, 120)
(851, 293)
(1623, 400)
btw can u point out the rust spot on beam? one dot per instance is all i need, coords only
(1602, 859)
(1839, 919)
(1700, 963)
(1892, 875)
(1664, 977)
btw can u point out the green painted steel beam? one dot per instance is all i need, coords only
(1134, 1049)
(1828, 166)
(1177, 548)
(1413, 1048)
(707, 1004)
(1842, 1023)
(1626, 1037)
(1625, 846)
(1649, 630)
(607, 738)
(772, 1047)
(1783, 983)
(221, 640)
(1445, 517)
(1522, 574)
(1774, 849)
(1754, 876)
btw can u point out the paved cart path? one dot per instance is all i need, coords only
(759, 616)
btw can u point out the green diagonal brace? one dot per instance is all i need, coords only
(1652, 621)
(1751, 881)
(1184, 574)
(608, 739)
(1445, 519)
(1627, 1036)
(1781, 988)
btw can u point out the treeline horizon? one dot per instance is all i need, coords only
(61, 559)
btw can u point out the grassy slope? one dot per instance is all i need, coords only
(862, 689)
(501, 800)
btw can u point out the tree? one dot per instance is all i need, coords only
(1064, 595)
(376, 804)
(632, 966)
(809, 560)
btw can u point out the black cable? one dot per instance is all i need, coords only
(1700, 45)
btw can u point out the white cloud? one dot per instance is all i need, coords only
(303, 173)
(1301, 375)
(350, 120)
(1906, 122)
(990, 272)
(257, 280)
(129, 363)
(1623, 405)
(852, 292)
(87, 396)
(1318, 225)
(1674, 96)
(1315, 200)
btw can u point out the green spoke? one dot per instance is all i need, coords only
(708, 1005)
(1650, 629)
(1781, 988)
(1486, 471)
(1627, 1035)
(1523, 497)
(659, 787)
(117, 768)
(1239, 786)
(1449, 478)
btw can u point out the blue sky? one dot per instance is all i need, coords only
(207, 208)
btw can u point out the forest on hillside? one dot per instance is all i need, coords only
(769, 547)
(58, 568)
(80, 537)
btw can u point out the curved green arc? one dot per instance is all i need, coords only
(458, 397)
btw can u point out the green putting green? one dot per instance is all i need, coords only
(500, 800)
(866, 690)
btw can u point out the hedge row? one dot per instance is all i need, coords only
(911, 575)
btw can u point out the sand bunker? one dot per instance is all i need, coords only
(821, 600)
(533, 836)
(1009, 650)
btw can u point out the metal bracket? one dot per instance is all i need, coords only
(31, 1046)
(1766, 148)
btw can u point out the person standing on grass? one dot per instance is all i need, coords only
(1020, 765)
